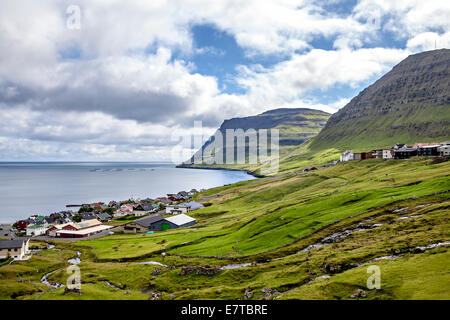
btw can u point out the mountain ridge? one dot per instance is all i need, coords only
(409, 103)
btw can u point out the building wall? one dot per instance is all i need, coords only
(387, 154)
(444, 150)
(176, 210)
(13, 253)
(136, 228)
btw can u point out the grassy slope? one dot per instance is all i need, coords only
(399, 126)
(281, 214)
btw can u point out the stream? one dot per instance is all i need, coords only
(72, 261)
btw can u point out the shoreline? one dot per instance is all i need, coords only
(10, 223)
(253, 174)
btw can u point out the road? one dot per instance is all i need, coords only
(5, 232)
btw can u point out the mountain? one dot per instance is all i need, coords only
(408, 104)
(295, 126)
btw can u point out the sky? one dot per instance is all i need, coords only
(110, 80)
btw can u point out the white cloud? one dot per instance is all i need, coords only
(429, 41)
(127, 93)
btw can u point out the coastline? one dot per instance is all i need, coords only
(252, 173)
(63, 205)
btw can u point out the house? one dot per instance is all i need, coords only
(184, 194)
(427, 149)
(147, 200)
(144, 207)
(49, 220)
(152, 223)
(399, 146)
(194, 205)
(13, 248)
(347, 156)
(388, 154)
(124, 210)
(36, 229)
(103, 216)
(362, 156)
(178, 208)
(140, 213)
(193, 192)
(404, 152)
(176, 197)
(444, 149)
(22, 224)
(181, 221)
(86, 216)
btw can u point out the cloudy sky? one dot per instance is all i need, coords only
(119, 80)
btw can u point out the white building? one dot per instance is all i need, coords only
(444, 149)
(347, 156)
(36, 229)
(177, 209)
(16, 249)
(388, 154)
(182, 220)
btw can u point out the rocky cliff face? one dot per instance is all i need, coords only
(409, 103)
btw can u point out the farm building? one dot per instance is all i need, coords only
(158, 223)
(151, 223)
(182, 221)
(77, 230)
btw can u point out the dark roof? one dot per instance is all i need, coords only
(146, 222)
(11, 244)
(49, 219)
(87, 216)
(146, 206)
(103, 215)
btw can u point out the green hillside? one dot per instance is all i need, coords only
(296, 126)
(346, 215)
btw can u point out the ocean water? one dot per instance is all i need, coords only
(43, 188)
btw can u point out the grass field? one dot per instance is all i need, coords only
(371, 209)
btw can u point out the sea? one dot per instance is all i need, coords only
(46, 187)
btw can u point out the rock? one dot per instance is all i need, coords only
(332, 268)
(75, 290)
(358, 294)
(200, 270)
(269, 293)
(248, 294)
(156, 271)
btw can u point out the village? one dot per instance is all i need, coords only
(147, 216)
(100, 219)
